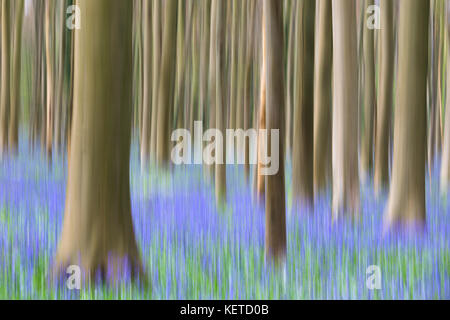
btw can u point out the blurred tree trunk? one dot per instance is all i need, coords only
(166, 82)
(59, 101)
(369, 98)
(35, 108)
(261, 180)
(13, 134)
(156, 59)
(233, 64)
(212, 77)
(98, 230)
(5, 98)
(275, 190)
(220, 81)
(345, 110)
(248, 92)
(445, 163)
(49, 53)
(302, 153)
(147, 83)
(291, 50)
(322, 99)
(385, 94)
(406, 204)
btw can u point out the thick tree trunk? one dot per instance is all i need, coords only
(385, 94)
(345, 110)
(406, 204)
(98, 229)
(302, 153)
(369, 99)
(322, 99)
(166, 82)
(5, 76)
(275, 190)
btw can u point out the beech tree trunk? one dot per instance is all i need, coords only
(98, 230)
(345, 110)
(406, 204)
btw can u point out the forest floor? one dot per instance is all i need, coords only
(192, 251)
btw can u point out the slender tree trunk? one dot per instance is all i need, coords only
(275, 192)
(166, 82)
(289, 79)
(5, 76)
(345, 110)
(322, 99)
(406, 204)
(49, 49)
(98, 229)
(445, 163)
(147, 75)
(261, 180)
(302, 153)
(156, 50)
(60, 84)
(385, 94)
(212, 77)
(369, 99)
(220, 169)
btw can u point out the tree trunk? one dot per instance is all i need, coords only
(369, 98)
(275, 192)
(147, 72)
(385, 94)
(156, 50)
(220, 169)
(166, 82)
(13, 134)
(302, 153)
(345, 110)
(5, 77)
(445, 163)
(49, 50)
(322, 99)
(406, 204)
(98, 229)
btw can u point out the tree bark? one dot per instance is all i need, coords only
(98, 229)
(275, 192)
(345, 110)
(406, 204)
